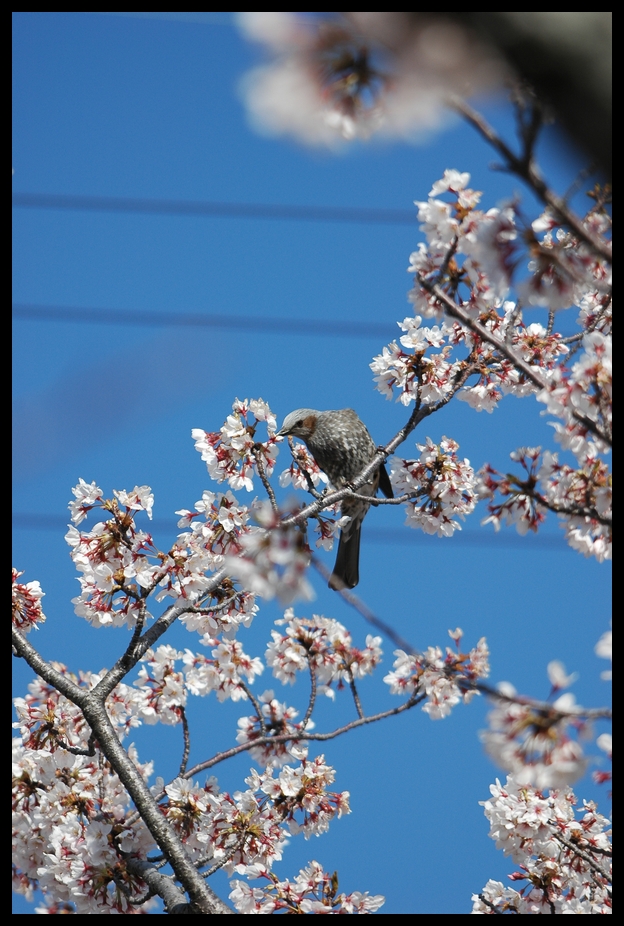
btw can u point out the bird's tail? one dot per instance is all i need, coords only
(346, 572)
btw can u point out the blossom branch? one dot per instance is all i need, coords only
(354, 692)
(312, 700)
(257, 452)
(187, 740)
(303, 735)
(242, 684)
(159, 884)
(521, 365)
(577, 850)
(525, 167)
(362, 609)
(91, 703)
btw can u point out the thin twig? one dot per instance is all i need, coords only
(255, 703)
(187, 741)
(312, 700)
(354, 692)
(595, 867)
(365, 612)
(306, 475)
(488, 903)
(223, 861)
(525, 168)
(257, 452)
(302, 735)
(521, 365)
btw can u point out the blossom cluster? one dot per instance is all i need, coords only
(563, 855)
(274, 719)
(70, 830)
(115, 558)
(313, 890)
(354, 74)
(26, 610)
(233, 453)
(321, 645)
(532, 740)
(473, 255)
(581, 496)
(442, 485)
(74, 823)
(273, 559)
(303, 463)
(440, 680)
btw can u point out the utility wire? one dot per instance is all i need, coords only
(100, 316)
(204, 208)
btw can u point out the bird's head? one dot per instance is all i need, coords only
(300, 423)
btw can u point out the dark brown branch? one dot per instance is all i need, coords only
(302, 735)
(312, 700)
(573, 847)
(355, 695)
(257, 452)
(255, 703)
(365, 612)
(306, 475)
(187, 741)
(91, 703)
(521, 365)
(525, 167)
(488, 903)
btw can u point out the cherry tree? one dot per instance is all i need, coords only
(93, 831)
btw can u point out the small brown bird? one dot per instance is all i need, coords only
(341, 445)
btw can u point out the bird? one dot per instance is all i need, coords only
(341, 446)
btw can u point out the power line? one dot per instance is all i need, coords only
(387, 536)
(205, 208)
(102, 316)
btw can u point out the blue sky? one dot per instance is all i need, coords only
(148, 107)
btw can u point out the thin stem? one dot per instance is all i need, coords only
(306, 475)
(521, 365)
(362, 609)
(257, 452)
(226, 858)
(303, 735)
(312, 700)
(187, 741)
(595, 867)
(525, 167)
(356, 697)
(255, 703)
(488, 903)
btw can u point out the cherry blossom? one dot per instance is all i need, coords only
(274, 558)
(230, 454)
(443, 486)
(26, 610)
(440, 680)
(226, 673)
(311, 891)
(533, 741)
(303, 462)
(564, 860)
(350, 76)
(321, 644)
(275, 719)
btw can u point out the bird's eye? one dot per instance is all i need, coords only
(299, 423)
